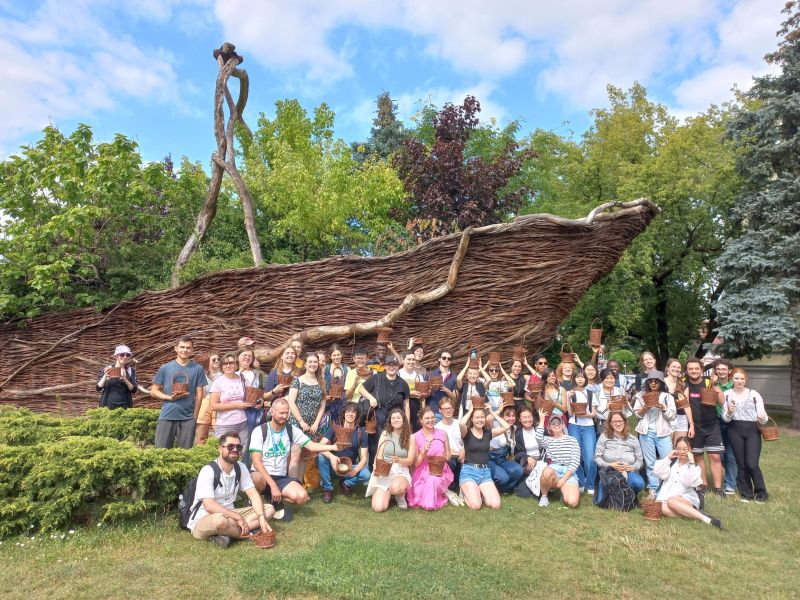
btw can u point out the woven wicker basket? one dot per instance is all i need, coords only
(770, 433)
(651, 509)
(383, 467)
(263, 539)
(383, 334)
(595, 334)
(579, 409)
(478, 401)
(436, 463)
(371, 421)
(650, 399)
(708, 397)
(345, 465)
(181, 388)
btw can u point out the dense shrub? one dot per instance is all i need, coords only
(56, 472)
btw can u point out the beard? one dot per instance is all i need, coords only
(230, 458)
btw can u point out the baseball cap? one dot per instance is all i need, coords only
(391, 360)
(557, 418)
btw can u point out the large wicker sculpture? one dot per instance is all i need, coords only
(498, 285)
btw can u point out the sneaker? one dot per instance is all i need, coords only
(282, 513)
(716, 523)
(590, 492)
(223, 541)
(719, 493)
(651, 494)
(729, 491)
(761, 498)
(452, 498)
(544, 501)
(745, 500)
(702, 489)
(346, 489)
(327, 496)
(401, 501)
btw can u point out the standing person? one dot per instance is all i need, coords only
(447, 390)
(582, 428)
(176, 422)
(593, 382)
(614, 367)
(708, 438)
(496, 382)
(397, 445)
(517, 381)
(552, 392)
(564, 457)
(450, 426)
(647, 363)
(118, 391)
(297, 346)
(270, 446)
(335, 372)
(377, 363)
(357, 452)
(205, 415)
(473, 386)
(654, 426)
(565, 374)
(722, 377)
(429, 491)
(620, 452)
(683, 425)
(306, 408)
(353, 379)
(384, 392)
(214, 517)
(744, 411)
(227, 398)
(608, 389)
(506, 472)
(419, 356)
(475, 480)
(285, 366)
(540, 363)
(409, 374)
(680, 476)
(252, 377)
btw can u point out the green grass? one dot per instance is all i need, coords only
(343, 550)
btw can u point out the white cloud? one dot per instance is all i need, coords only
(62, 61)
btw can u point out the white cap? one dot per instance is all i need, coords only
(122, 349)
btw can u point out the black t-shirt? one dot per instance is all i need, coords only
(704, 416)
(519, 386)
(116, 394)
(476, 450)
(389, 393)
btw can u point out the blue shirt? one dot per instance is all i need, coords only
(182, 409)
(449, 383)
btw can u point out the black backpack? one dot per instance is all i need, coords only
(617, 493)
(187, 507)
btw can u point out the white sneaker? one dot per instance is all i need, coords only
(401, 501)
(544, 501)
(591, 492)
(453, 498)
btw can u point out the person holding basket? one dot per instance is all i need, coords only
(476, 482)
(397, 450)
(432, 475)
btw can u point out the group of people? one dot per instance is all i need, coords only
(424, 437)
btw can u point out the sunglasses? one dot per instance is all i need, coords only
(556, 424)
(215, 359)
(232, 447)
(542, 362)
(125, 354)
(229, 362)
(445, 358)
(494, 370)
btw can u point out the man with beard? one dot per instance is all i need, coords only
(270, 447)
(214, 518)
(707, 437)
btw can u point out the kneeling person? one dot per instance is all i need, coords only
(215, 519)
(270, 445)
(356, 452)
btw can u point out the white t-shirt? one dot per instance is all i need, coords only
(275, 449)
(493, 391)
(410, 377)
(230, 390)
(453, 432)
(582, 396)
(225, 493)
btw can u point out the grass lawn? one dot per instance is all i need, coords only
(343, 550)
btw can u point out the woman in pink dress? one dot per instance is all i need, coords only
(429, 491)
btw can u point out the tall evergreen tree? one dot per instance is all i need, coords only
(387, 133)
(760, 309)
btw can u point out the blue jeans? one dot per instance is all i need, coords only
(651, 445)
(634, 480)
(585, 434)
(324, 466)
(505, 473)
(728, 459)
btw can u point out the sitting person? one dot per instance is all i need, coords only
(270, 445)
(506, 473)
(399, 447)
(213, 517)
(680, 476)
(476, 482)
(357, 453)
(617, 450)
(564, 455)
(430, 491)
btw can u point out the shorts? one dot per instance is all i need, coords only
(681, 423)
(707, 442)
(204, 414)
(561, 470)
(472, 474)
(281, 482)
(209, 525)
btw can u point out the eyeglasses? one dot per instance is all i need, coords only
(214, 359)
(229, 362)
(445, 358)
(618, 422)
(542, 362)
(232, 447)
(444, 408)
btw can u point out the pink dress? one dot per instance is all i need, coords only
(428, 491)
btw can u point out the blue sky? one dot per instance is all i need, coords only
(144, 67)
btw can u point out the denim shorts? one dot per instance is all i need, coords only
(476, 475)
(561, 470)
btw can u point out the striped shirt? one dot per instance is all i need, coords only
(563, 451)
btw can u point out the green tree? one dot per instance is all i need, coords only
(316, 199)
(387, 133)
(87, 223)
(662, 291)
(760, 308)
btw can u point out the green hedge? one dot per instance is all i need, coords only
(52, 478)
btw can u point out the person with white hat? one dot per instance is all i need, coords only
(655, 425)
(117, 383)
